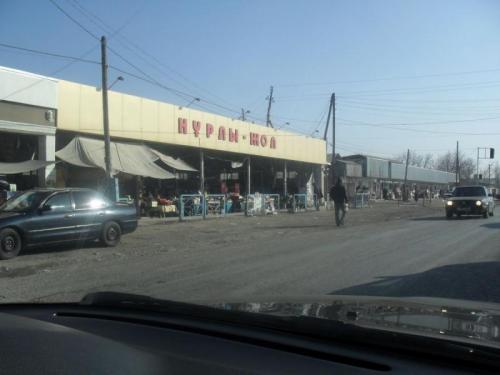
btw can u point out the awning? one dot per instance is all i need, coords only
(177, 164)
(23, 166)
(128, 158)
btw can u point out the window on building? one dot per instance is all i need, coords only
(181, 175)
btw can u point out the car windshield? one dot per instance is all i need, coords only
(469, 191)
(254, 152)
(24, 202)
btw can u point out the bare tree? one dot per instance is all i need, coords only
(428, 161)
(447, 162)
(495, 173)
(416, 159)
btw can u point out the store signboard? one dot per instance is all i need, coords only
(136, 118)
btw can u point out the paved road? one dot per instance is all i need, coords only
(263, 258)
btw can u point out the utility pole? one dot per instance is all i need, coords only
(270, 102)
(489, 174)
(243, 115)
(202, 183)
(457, 168)
(249, 185)
(405, 197)
(105, 115)
(332, 169)
(331, 113)
(477, 166)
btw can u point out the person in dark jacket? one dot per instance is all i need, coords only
(339, 197)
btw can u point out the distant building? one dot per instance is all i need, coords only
(379, 176)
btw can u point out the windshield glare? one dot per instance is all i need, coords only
(24, 202)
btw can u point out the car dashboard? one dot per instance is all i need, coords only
(71, 339)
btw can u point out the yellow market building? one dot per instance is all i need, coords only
(171, 143)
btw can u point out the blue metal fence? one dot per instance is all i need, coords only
(190, 205)
(361, 200)
(299, 202)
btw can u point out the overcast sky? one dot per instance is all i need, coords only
(407, 74)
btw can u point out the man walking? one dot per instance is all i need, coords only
(339, 197)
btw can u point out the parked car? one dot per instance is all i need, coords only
(470, 200)
(48, 216)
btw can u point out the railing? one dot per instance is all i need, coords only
(253, 205)
(216, 205)
(299, 202)
(190, 205)
(261, 204)
(276, 198)
(361, 200)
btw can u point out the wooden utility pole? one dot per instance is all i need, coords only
(105, 115)
(325, 135)
(270, 102)
(332, 169)
(331, 113)
(249, 185)
(202, 183)
(285, 183)
(457, 168)
(406, 175)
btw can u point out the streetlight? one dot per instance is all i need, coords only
(119, 78)
(243, 113)
(191, 102)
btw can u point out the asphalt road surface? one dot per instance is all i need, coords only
(382, 251)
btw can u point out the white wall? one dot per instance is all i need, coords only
(27, 88)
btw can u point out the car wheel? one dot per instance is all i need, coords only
(485, 214)
(449, 214)
(10, 243)
(111, 234)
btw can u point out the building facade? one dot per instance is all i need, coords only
(384, 178)
(40, 115)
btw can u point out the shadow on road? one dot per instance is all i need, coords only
(491, 225)
(470, 281)
(42, 249)
(443, 218)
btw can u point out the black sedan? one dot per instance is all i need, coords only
(52, 216)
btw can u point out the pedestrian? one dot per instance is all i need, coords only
(339, 197)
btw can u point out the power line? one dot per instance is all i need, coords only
(92, 17)
(66, 66)
(389, 111)
(74, 20)
(354, 123)
(51, 54)
(408, 90)
(425, 123)
(390, 78)
(320, 120)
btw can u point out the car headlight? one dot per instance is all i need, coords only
(478, 203)
(449, 203)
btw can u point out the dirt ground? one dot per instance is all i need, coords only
(61, 273)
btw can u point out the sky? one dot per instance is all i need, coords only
(417, 75)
